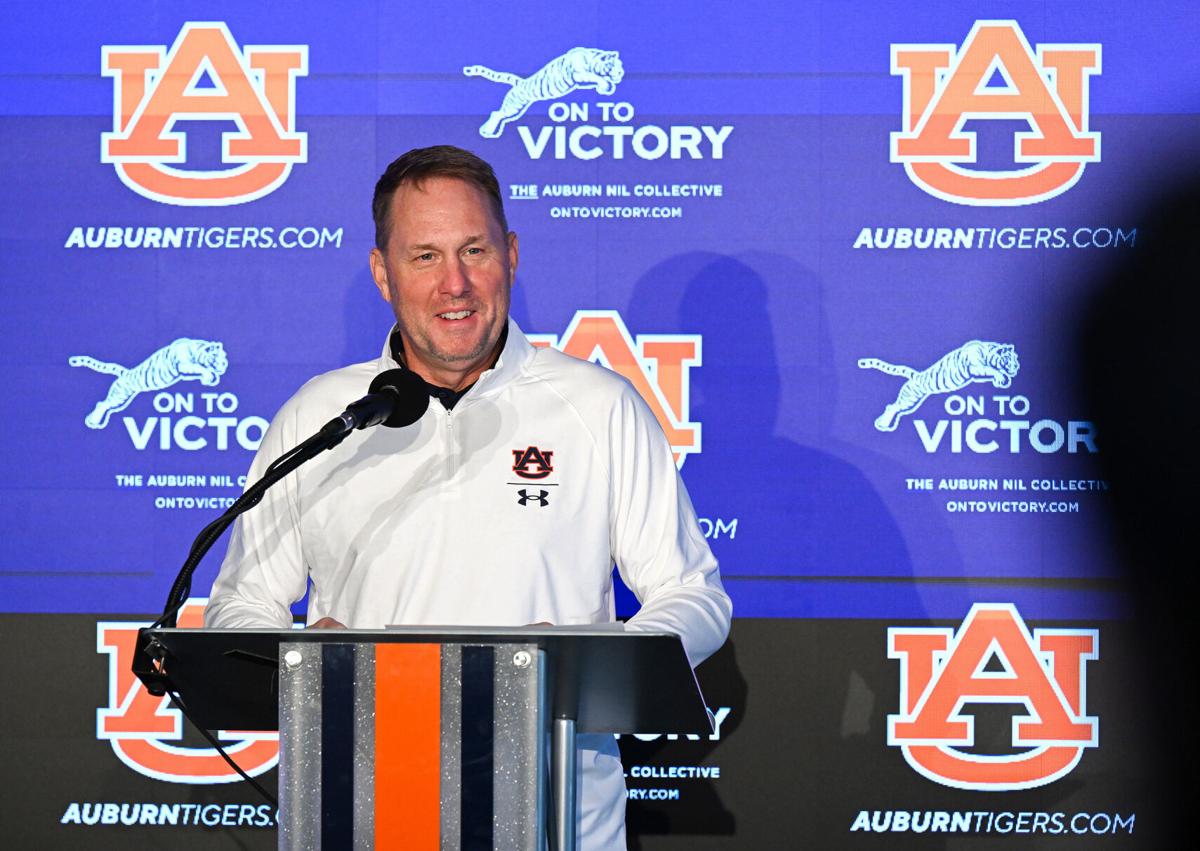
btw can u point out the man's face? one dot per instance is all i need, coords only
(447, 272)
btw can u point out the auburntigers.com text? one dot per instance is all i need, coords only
(170, 815)
(941, 821)
(194, 236)
(995, 238)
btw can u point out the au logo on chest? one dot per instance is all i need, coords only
(532, 462)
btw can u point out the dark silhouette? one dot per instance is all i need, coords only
(1136, 342)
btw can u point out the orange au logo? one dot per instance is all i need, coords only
(992, 659)
(946, 85)
(153, 88)
(658, 366)
(142, 728)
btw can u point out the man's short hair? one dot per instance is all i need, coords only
(417, 166)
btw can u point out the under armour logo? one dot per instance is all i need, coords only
(542, 497)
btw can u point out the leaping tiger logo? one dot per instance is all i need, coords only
(578, 68)
(184, 359)
(973, 361)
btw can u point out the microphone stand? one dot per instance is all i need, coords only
(148, 648)
(397, 398)
(150, 655)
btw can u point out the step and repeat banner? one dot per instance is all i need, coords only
(840, 248)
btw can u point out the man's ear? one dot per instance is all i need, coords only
(513, 256)
(379, 274)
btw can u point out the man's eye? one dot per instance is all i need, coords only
(473, 250)
(426, 257)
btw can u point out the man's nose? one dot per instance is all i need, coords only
(456, 282)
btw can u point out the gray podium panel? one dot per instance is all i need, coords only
(411, 746)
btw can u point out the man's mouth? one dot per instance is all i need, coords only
(455, 315)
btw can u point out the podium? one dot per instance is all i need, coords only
(427, 737)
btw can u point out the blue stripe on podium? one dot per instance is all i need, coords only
(478, 701)
(337, 746)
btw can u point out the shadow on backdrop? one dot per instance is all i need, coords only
(1136, 342)
(802, 512)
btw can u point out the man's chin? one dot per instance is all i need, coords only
(460, 356)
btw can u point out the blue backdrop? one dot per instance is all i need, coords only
(840, 246)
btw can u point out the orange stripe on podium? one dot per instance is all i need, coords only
(408, 775)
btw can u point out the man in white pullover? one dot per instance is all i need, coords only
(507, 503)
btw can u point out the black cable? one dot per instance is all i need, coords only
(212, 740)
(323, 434)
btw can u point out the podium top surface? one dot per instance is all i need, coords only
(607, 679)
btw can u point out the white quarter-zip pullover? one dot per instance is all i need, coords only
(508, 510)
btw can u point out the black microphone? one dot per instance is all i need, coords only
(396, 398)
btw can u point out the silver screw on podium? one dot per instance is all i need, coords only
(522, 659)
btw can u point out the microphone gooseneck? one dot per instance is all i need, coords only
(396, 398)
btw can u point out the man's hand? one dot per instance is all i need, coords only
(327, 623)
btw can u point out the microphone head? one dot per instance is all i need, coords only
(412, 397)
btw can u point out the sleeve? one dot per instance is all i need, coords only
(264, 571)
(655, 540)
